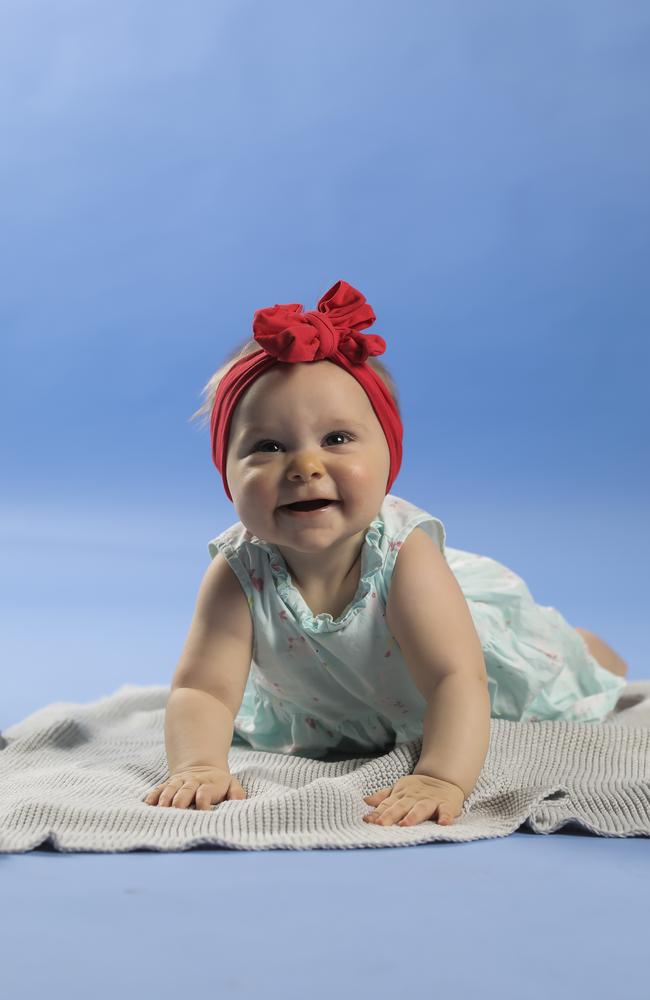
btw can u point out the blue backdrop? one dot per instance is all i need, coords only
(479, 171)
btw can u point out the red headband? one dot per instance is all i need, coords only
(332, 332)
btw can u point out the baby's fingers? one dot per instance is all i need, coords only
(235, 790)
(445, 814)
(153, 796)
(442, 813)
(180, 791)
(178, 794)
(172, 793)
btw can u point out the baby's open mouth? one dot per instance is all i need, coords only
(308, 505)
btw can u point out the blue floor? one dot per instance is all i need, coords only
(528, 915)
(94, 600)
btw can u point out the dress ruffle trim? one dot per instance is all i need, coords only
(372, 560)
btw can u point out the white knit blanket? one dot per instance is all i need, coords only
(76, 775)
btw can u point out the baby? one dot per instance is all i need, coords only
(325, 622)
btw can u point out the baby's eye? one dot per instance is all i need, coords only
(339, 434)
(333, 434)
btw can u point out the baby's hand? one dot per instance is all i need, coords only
(206, 784)
(415, 798)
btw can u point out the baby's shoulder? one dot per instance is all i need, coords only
(399, 519)
(235, 540)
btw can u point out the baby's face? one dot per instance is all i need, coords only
(301, 431)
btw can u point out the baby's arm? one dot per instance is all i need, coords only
(428, 616)
(207, 691)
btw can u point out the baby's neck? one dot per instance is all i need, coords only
(324, 597)
(329, 574)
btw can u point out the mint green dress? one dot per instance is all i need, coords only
(320, 684)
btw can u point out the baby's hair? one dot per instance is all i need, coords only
(209, 390)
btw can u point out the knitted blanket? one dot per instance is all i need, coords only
(75, 776)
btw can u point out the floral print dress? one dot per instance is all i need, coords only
(319, 683)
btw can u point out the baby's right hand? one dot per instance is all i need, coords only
(206, 784)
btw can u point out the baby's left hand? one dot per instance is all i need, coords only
(415, 798)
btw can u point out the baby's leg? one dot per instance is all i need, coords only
(604, 653)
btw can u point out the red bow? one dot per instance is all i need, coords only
(289, 334)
